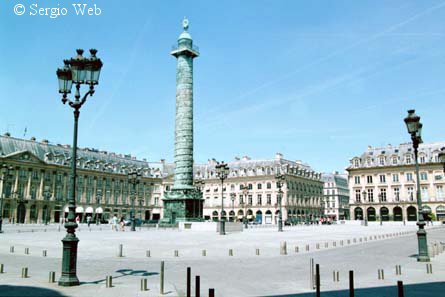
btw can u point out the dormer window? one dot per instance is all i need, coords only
(356, 162)
(394, 160)
(422, 159)
(408, 159)
(382, 160)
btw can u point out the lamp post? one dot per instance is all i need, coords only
(380, 210)
(280, 179)
(414, 127)
(47, 196)
(78, 70)
(232, 197)
(134, 178)
(222, 171)
(5, 175)
(365, 211)
(98, 198)
(245, 190)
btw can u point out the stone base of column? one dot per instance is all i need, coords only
(182, 205)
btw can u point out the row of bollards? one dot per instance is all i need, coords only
(197, 285)
(380, 274)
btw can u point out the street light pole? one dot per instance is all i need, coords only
(78, 70)
(380, 210)
(134, 177)
(365, 211)
(280, 178)
(232, 197)
(47, 195)
(414, 128)
(222, 171)
(245, 190)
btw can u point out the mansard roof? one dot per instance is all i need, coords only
(91, 159)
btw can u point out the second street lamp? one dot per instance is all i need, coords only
(78, 70)
(414, 127)
(222, 171)
(280, 180)
(134, 178)
(365, 211)
(232, 197)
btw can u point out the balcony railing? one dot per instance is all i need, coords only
(182, 46)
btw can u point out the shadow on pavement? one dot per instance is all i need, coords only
(24, 291)
(414, 290)
(123, 272)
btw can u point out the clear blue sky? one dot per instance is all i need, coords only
(314, 80)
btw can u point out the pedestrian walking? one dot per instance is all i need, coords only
(78, 219)
(114, 223)
(88, 221)
(122, 223)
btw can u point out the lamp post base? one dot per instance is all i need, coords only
(222, 227)
(423, 244)
(280, 225)
(69, 261)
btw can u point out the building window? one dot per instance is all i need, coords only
(241, 187)
(241, 199)
(259, 186)
(269, 186)
(357, 196)
(410, 193)
(371, 195)
(232, 187)
(397, 194)
(425, 194)
(369, 179)
(357, 180)
(394, 160)
(156, 201)
(382, 195)
(409, 176)
(259, 199)
(408, 159)
(249, 186)
(439, 192)
(382, 178)
(269, 199)
(356, 163)
(423, 176)
(382, 160)
(395, 178)
(422, 159)
(250, 200)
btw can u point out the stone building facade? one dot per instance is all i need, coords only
(336, 196)
(35, 183)
(382, 183)
(302, 191)
(35, 186)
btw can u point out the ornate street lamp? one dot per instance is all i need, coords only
(134, 178)
(245, 190)
(199, 183)
(222, 171)
(280, 180)
(233, 197)
(6, 171)
(98, 199)
(47, 196)
(414, 127)
(78, 70)
(365, 211)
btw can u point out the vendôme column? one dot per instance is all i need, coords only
(184, 202)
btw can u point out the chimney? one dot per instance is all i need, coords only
(278, 156)
(45, 141)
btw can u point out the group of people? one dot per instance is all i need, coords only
(114, 223)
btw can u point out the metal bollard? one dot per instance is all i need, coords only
(204, 253)
(230, 252)
(109, 281)
(312, 274)
(120, 250)
(257, 252)
(296, 249)
(176, 253)
(400, 289)
(44, 253)
(148, 254)
(429, 268)
(317, 246)
(211, 292)
(24, 272)
(307, 248)
(26, 251)
(334, 244)
(336, 276)
(351, 283)
(11, 249)
(197, 286)
(317, 280)
(1, 268)
(349, 241)
(360, 239)
(161, 279)
(283, 248)
(144, 284)
(52, 277)
(381, 274)
(398, 270)
(189, 278)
